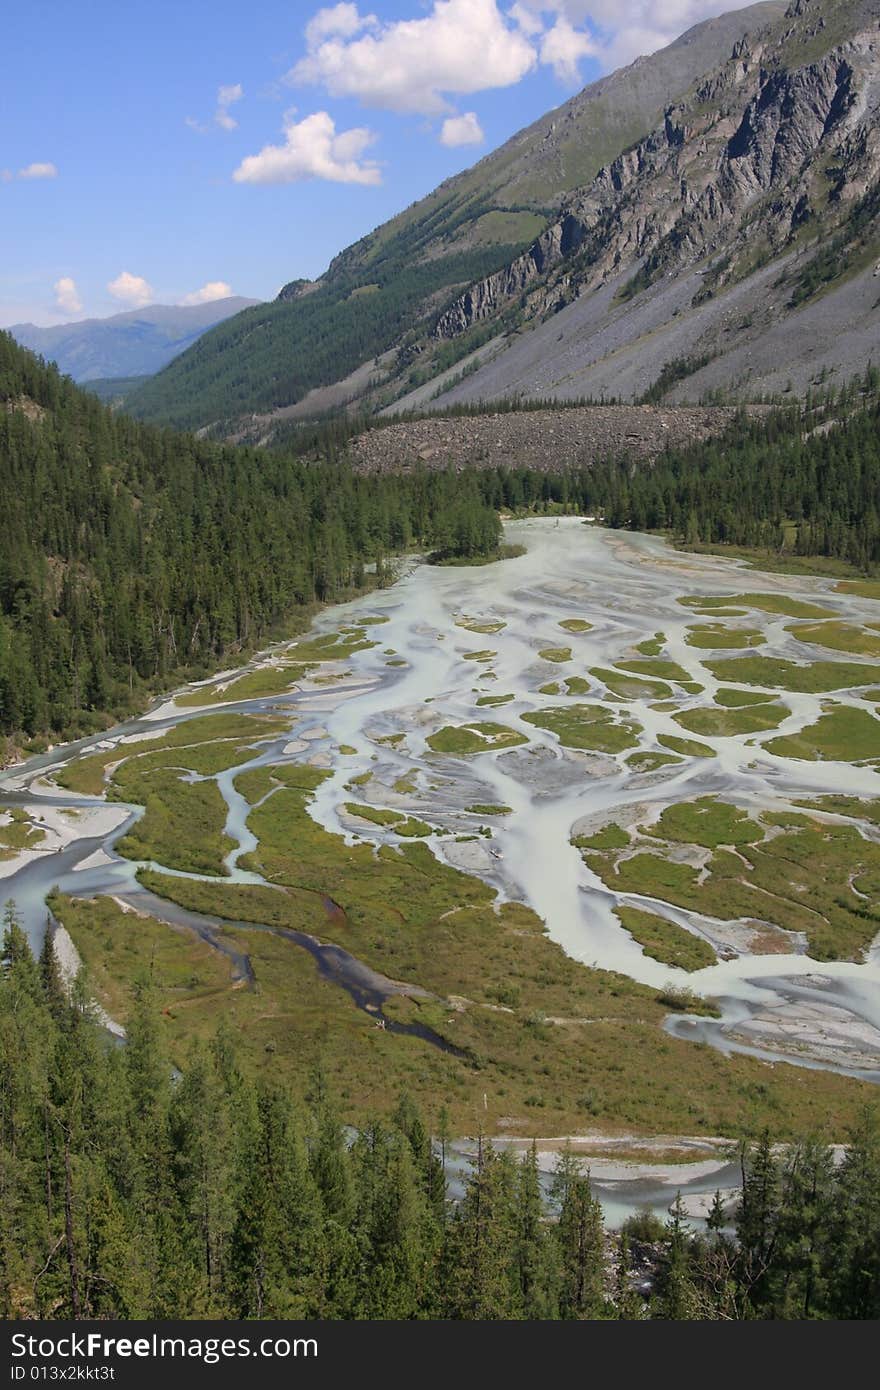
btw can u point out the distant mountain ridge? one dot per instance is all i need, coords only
(728, 246)
(135, 343)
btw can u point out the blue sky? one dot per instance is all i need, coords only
(177, 150)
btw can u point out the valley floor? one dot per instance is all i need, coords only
(585, 841)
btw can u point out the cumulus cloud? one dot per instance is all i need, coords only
(462, 130)
(527, 19)
(226, 97)
(413, 65)
(338, 21)
(67, 296)
(214, 289)
(562, 48)
(38, 171)
(623, 31)
(132, 290)
(313, 149)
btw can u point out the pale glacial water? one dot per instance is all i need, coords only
(626, 586)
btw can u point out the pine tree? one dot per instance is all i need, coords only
(580, 1239)
(676, 1298)
(854, 1246)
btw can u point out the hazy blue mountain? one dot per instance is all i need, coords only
(136, 343)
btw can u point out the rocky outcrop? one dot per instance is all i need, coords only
(761, 148)
(296, 289)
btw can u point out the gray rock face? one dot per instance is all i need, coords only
(758, 152)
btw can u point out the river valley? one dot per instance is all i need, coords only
(601, 726)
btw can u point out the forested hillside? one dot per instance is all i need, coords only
(805, 481)
(274, 354)
(127, 1191)
(130, 554)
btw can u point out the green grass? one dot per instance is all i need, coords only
(481, 625)
(118, 948)
(860, 588)
(688, 747)
(465, 740)
(557, 654)
(841, 734)
(840, 637)
(666, 941)
(575, 685)
(716, 636)
(182, 826)
(723, 723)
(611, 836)
(854, 806)
(489, 809)
(265, 682)
(774, 673)
(807, 879)
(488, 701)
(652, 646)
(656, 668)
(417, 920)
(631, 687)
(766, 603)
(736, 699)
(20, 832)
(576, 625)
(720, 612)
(591, 727)
(331, 646)
(374, 814)
(479, 656)
(410, 827)
(87, 775)
(707, 822)
(651, 762)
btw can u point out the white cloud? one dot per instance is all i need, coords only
(226, 97)
(562, 48)
(38, 171)
(460, 47)
(462, 130)
(623, 31)
(214, 289)
(67, 296)
(6, 176)
(313, 150)
(338, 21)
(527, 19)
(131, 289)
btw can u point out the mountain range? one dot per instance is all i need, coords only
(133, 344)
(702, 224)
